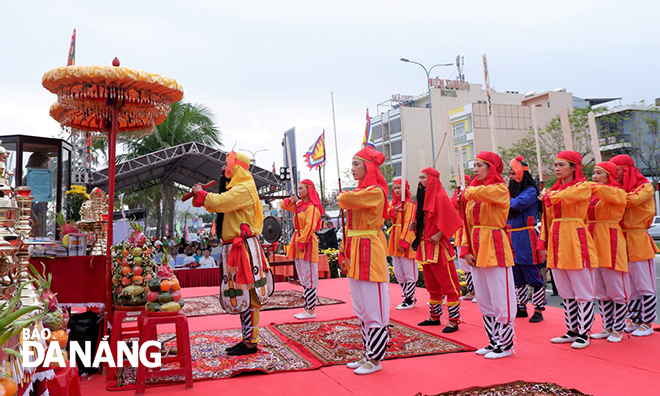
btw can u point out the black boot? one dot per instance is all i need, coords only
(242, 349)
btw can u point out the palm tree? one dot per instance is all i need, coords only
(186, 122)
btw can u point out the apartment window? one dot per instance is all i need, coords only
(459, 129)
(397, 147)
(395, 125)
(464, 154)
(377, 131)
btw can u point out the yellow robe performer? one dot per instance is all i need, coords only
(246, 280)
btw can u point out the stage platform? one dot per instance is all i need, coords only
(627, 368)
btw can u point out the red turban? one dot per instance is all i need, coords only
(611, 170)
(632, 177)
(440, 211)
(396, 198)
(373, 159)
(574, 158)
(495, 169)
(312, 197)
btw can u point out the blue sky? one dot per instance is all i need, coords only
(266, 66)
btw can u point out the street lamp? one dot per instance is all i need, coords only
(428, 84)
(254, 154)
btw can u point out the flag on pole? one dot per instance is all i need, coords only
(213, 227)
(315, 156)
(368, 139)
(274, 171)
(71, 60)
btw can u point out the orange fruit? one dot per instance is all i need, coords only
(165, 285)
(125, 270)
(124, 252)
(3, 391)
(148, 251)
(138, 280)
(10, 386)
(175, 284)
(60, 336)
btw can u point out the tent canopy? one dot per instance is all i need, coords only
(185, 164)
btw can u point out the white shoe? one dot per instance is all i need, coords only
(615, 337)
(474, 300)
(565, 339)
(498, 354)
(643, 331)
(368, 368)
(356, 364)
(305, 315)
(405, 305)
(580, 343)
(601, 334)
(485, 351)
(467, 297)
(631, 326)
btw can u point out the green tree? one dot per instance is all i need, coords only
(186, 122)
(551, 142)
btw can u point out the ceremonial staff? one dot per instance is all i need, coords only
(341, 211)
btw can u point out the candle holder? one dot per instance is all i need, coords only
(99, 207)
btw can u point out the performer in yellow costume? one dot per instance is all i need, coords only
(364, 253)
(640, 209)
(304, 247)
(569, 247)
(606, 208)
(402, 214)
(246, 280)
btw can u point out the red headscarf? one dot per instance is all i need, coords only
(495, 169)
(574, 158)
(632, 177)
(396, 198)
(373, 159)
(518, 167)
(440, 211)
(312, 197)
(611, 169)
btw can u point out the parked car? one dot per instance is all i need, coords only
(654, 231)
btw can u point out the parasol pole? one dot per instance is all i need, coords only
(566, 129)
(403, 171)
(334, 128)
(593, 130)
(539, 163)
(294, 187)
(113, 104)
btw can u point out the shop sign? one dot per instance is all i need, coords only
(449, 84)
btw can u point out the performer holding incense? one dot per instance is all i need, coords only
(402, 215)
(488, 251)
(606, 208)
(569, 248)
(437, 220)
(363, 256)
(640, 209)
(246, 280)
(304, 247)
(521, 226)
(458, 239)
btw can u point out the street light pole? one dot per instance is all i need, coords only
(428, 84)
(253, 161)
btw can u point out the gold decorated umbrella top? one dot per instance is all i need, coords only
(84, 92)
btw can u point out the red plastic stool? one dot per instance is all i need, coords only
(149, 332)
(121, 333)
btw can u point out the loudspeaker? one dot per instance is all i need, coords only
(327, 238)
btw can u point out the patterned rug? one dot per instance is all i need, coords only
(210, 361)
(518, 388)
(281, 299)
(340, 341)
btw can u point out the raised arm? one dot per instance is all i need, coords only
(642, 194)
(526, 199)
(230, 201)
(369, 197)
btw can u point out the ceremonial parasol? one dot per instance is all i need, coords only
(110, 100)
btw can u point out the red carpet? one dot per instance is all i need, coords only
(627, 368)
(340, 341)
(518, 388)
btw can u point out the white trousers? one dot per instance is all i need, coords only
(405, 269)
(642, 278)
(371, 302)
(611, 285)
(464, 266)
(496, 291)
(577, 284)
(308, 273)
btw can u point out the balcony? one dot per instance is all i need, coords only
(469, 136)
(614, 143)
